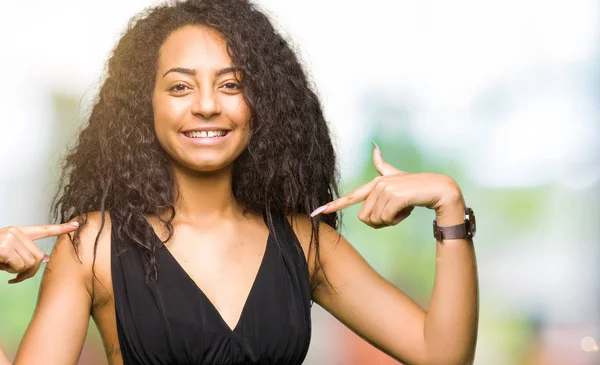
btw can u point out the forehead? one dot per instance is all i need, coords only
(196, 47)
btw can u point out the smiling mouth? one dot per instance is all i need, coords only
(206, 134)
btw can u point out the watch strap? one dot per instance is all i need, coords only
(452, 232)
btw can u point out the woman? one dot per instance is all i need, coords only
(197, 189)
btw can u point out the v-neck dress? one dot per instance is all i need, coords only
(175, 323)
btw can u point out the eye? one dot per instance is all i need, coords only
(178, 88)
(232, 86)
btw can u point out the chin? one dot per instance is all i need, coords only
(205, 159)
(208, 167)
(204, 165)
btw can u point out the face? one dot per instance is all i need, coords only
(200, 116)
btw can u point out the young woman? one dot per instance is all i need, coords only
(203, 195)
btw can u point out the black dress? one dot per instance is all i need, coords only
(177, 324)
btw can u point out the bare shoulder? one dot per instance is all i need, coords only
(80, 251)
(329, 239)
(66, 297)
(96, 226)
(301, 223)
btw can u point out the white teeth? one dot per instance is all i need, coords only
(206, 134)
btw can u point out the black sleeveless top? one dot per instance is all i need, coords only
(177, 324)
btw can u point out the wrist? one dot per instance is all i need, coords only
(451, 212)
(448, 231)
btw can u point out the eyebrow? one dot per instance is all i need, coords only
(191, 72)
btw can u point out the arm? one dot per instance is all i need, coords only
(59, 325)
(381, 313)
(20, 255)
(387, 318)
(453, 314)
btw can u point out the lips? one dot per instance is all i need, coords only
(208, 128)
(206, 134)
(207, 131)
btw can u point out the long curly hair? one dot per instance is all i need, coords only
(117, 164)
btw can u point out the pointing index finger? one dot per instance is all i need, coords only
(355, 196)
(48, 230)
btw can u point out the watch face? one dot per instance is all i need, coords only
(472, 223)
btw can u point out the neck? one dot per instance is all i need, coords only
(204, 197)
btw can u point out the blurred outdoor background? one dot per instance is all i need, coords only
(502, 95)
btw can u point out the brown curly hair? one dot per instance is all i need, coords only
(117, 165)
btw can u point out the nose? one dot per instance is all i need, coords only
(206, 103)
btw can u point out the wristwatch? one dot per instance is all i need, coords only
(463, 230)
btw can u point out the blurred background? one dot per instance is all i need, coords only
(504, 96)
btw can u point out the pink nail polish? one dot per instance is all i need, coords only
(377, 148)
(46, 258)
(319, 210)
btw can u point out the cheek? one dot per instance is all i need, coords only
(245, 126)
(236, 109)
(168, 110)
(164, 119)
(168, 114)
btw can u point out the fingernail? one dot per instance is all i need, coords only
(319, 210)
(377, 148)
(46, 258)
(74, 224)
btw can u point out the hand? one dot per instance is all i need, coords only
(391, 197)
(18, 253)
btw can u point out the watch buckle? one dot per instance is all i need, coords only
(437, 232)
